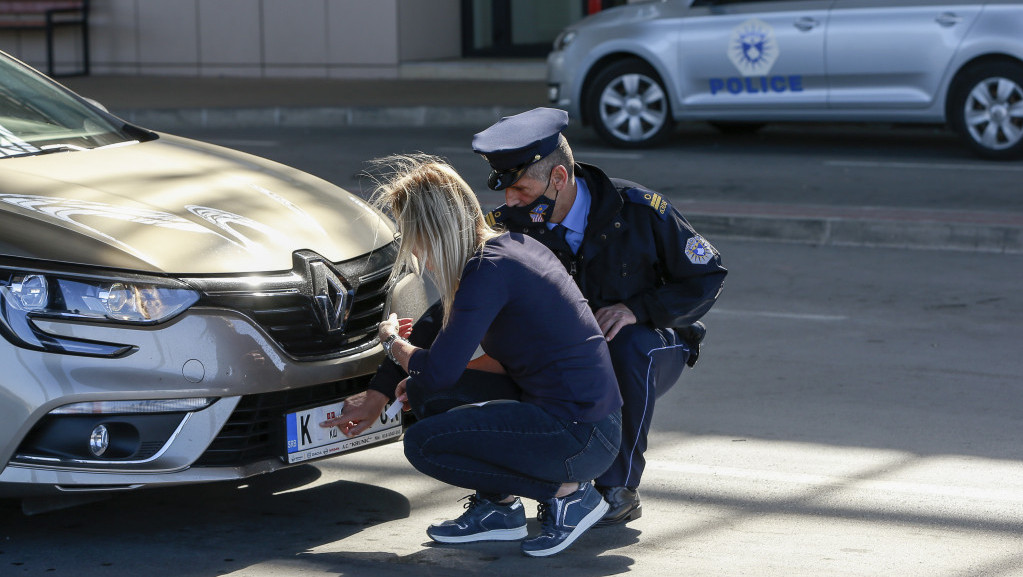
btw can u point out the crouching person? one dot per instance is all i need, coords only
(508, 294)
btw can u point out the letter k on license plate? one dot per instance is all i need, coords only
(308, 440)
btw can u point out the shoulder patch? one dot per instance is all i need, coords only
(649, 198)
(699, 251)
(494, 217)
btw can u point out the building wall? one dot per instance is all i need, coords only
(254, 38)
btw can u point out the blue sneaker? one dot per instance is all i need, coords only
(483, 520)
(564, 519)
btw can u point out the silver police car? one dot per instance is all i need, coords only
(172, 311)
(632, 72)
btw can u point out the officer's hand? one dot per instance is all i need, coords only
(358, 413)
(611, 319)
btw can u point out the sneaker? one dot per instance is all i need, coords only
(564, 519)
(483, 520)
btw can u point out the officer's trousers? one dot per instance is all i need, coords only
(647, 363)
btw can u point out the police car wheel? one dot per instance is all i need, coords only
(986, 109)
(628, 105)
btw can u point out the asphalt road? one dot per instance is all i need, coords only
(835, 165)
(855, 412)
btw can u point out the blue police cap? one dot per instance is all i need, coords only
(515, 142)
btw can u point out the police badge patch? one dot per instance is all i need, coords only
(699, 251)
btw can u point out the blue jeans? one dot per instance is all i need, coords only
(511, 448)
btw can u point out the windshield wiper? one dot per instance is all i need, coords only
(47, 149)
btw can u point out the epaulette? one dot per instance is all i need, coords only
(655, 201)
(495, 217)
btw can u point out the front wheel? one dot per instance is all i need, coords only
(628, 105)
(986, 109)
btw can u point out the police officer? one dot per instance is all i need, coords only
(648, 276)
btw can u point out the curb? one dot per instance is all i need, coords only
(862, 233)
(904, 228)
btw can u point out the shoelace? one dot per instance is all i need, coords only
(473, 502)
(544, 516)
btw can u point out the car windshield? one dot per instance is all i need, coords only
(38, 117)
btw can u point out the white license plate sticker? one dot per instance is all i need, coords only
(308, 440)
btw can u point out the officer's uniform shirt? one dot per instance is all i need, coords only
(575, 220)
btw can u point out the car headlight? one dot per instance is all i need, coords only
(29, 295)
(564, 39)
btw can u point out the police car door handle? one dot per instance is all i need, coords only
(806, 24)
(948, 19)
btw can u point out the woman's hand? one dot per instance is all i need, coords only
(401, 394)
(394, 326)
(358, 413)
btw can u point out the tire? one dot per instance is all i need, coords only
(986, 109)
(628, 105)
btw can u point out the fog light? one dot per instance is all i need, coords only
(99, 440)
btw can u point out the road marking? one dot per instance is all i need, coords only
(917, 165)
(779, 315)
(845, 483)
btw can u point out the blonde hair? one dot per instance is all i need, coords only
(437, 214)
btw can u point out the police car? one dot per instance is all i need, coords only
(633, 71)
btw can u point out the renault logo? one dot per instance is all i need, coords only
(330, 297)
(330, 293)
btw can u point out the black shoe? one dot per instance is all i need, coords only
(693, 336)
(624, 506)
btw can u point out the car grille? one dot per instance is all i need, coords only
(283, 304)
(256, 430)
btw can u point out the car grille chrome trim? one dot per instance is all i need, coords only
(289, 311)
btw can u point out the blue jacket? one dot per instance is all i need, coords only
(517, 303)
(637, 250)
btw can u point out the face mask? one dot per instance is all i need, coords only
(537, 212)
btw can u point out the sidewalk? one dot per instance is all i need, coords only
(439, 97)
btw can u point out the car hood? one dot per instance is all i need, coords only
(174, 205)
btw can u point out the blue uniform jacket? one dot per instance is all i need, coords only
(637, 250)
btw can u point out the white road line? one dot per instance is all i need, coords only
(779, 315)
(993, 167)
(847, 483)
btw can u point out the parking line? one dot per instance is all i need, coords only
(918, 165)
(779, 315)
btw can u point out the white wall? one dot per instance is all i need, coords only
(256, 38)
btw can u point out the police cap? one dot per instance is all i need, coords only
(515, 142)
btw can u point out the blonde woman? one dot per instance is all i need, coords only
(508, 294)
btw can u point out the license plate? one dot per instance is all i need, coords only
(308, 440)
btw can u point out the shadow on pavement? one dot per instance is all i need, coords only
(196, 531)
